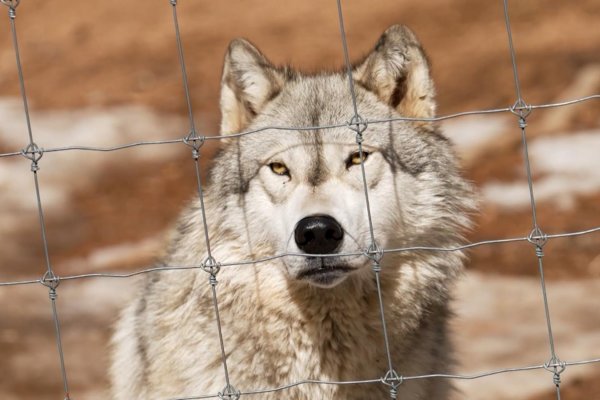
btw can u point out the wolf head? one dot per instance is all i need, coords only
(300, 183)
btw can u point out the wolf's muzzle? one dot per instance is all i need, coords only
(318, 234)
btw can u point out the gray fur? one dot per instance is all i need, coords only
(279, 328)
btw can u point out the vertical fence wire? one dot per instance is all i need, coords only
(537, 237)
(359, 125)
(34, 154)
(210, 265)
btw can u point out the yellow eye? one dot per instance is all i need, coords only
(279, 168)
(355, 158)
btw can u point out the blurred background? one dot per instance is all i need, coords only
(102, 73)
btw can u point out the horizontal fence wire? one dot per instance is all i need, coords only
(401, 379)
(357, 124)
(258, 261)
(215, 137)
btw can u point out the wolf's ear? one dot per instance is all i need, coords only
(398, 72)
(249, 81)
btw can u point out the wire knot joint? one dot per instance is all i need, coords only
(557, 367)
(358, 125)
(393, 380)
(50, 280)
(374, 253)
(12, 5)
(195, 142)
(211, 266)
(33, 153)
(539, 239)
(229, 393)
(521, 110)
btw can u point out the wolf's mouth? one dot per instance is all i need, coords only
(325, 275)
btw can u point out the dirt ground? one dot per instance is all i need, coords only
(99, 55)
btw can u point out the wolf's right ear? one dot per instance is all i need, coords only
(249, 81)
(397, 71)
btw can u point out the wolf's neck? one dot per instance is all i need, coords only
(331, 333)
(352, 302)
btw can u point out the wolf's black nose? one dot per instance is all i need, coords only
(319, 234)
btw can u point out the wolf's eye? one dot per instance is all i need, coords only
(355, 158)
(279, 168)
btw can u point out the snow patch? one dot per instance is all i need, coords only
(61, 172)
(471, 132)
(113, 257)
(500, 324)
(88, 127)
(568, 166)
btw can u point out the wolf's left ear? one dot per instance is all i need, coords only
(249, 81)
(398, 72)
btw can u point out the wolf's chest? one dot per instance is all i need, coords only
(330, 345)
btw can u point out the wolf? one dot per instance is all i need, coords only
(291, 203)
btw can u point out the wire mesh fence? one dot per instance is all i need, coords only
(356, 123)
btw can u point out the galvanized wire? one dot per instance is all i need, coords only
(34, 155)
(523, 112)
(359, 125)
(366, 253)
(307, 129)
(467, 377)
(196, 142)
